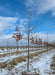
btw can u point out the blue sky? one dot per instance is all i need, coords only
(12, 12)
(17, 8)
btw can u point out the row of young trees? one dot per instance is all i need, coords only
(39, 41)
(48, 44)
(28, 29)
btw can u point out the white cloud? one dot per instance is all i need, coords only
(6, 22)
(42, 6)
(23, 42)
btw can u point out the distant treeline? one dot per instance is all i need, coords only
(23, 47)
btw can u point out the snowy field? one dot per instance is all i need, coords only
(41, 62)
(10, 57)
(2, 51)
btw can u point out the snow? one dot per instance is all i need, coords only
(41, 62)
(14, 50)
(10, 57)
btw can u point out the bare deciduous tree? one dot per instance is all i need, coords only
(28, 30)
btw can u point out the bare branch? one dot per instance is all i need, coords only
(33, 28)
(25, 29)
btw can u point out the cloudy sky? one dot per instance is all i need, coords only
(13, 13)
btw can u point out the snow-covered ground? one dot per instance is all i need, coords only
(41, 62)
(14, 50)
(10, 57)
